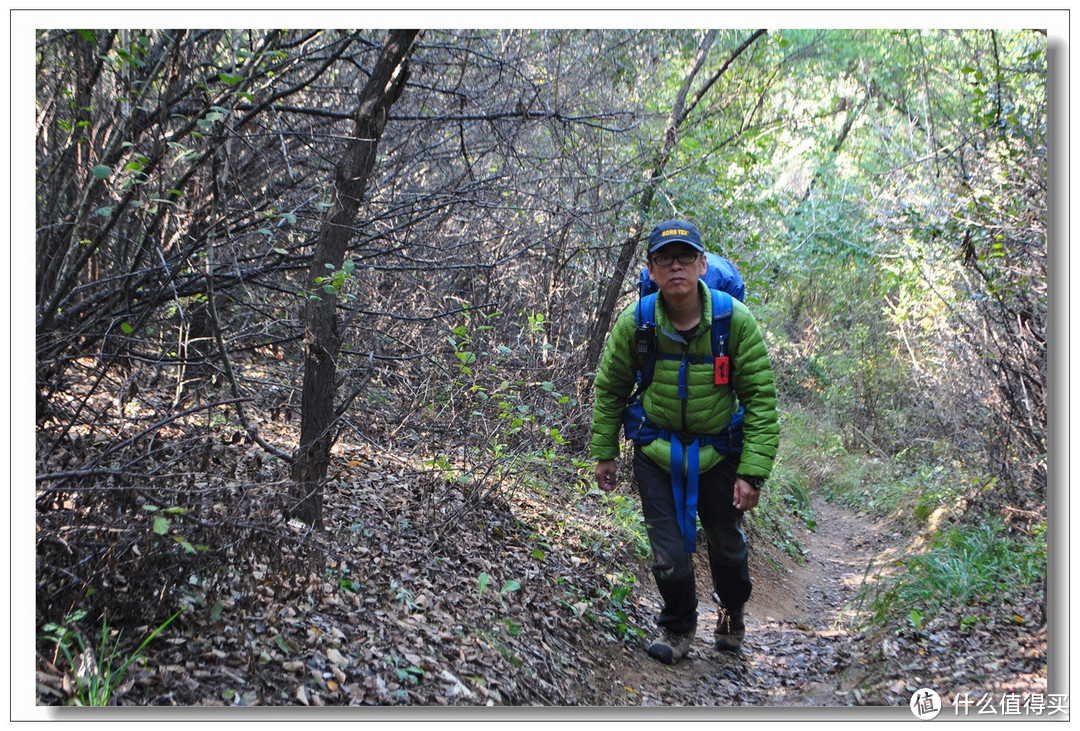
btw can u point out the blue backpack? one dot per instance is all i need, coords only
(725, 282)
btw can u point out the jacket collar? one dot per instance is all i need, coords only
(705, 323)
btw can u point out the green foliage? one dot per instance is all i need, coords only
(509, 586)
(163, 525)
(334, 283)
(785, 505)
(613, 608)
(917, 485)
(98, 670)
(882, 191)
(606, 607)
(627, 526)
(509, 626)
(406, 674)
(964, 566)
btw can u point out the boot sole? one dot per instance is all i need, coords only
(662, 653)
(728, 646)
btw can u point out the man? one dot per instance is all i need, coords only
(689, 399)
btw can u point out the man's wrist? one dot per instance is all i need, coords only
(754, 482)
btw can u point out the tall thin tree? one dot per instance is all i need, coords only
(322, 338)
(680, 111)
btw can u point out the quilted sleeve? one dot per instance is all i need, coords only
(615, 380)
(752, 380)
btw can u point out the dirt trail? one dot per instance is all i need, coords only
(798, 651)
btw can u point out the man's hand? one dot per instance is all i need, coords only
(746, 495)
(605, 474)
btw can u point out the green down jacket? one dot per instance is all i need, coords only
(708, 407)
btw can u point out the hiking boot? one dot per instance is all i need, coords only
(671, 647)
(730, 629)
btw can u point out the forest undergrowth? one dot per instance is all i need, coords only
(312, 382)
(467, 559)
(531, 588)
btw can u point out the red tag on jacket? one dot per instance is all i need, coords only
(720, 370)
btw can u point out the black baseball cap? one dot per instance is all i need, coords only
(674, 230)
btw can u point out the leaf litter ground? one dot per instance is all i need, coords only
(425, 592)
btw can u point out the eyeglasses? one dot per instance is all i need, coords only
(686, 258)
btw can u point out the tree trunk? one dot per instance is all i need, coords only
(679, 112)
(322, 340)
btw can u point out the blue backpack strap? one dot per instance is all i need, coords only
(646, 315)
(684, 488)
(721, 327)
(721, 320)
(729, 440)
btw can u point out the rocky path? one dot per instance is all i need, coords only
(800, 649)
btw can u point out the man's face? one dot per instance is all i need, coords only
(677, 279)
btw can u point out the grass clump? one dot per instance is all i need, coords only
(964, 566)
(99, 668)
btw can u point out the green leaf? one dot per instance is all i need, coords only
(188, 548)
(510, 586)
(229, 79)
(282, 644)
(482, 580)
(161, 525)
(128, 329)
(101, 172)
